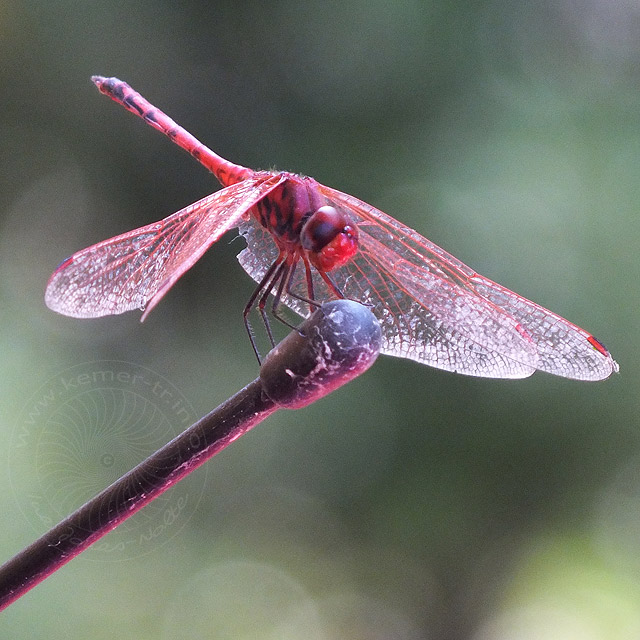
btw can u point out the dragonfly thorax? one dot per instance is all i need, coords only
(301, 223)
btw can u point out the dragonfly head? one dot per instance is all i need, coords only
(329, 238)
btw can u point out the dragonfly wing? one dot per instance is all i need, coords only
(423, 317)
(511, 333)
(136, 269)
(564, 349)
(427, 318)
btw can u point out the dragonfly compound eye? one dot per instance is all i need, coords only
(321, 228)
(330, 238)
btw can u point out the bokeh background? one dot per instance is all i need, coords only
(412, 503)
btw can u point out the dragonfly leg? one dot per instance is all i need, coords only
(266, 282)
(279, 276)
(284, 285)
(311, 300)
(332, 285)
(309, 277)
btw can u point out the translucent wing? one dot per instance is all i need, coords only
(135, 270)
(562, 348)
(436, 310)
(423, 316)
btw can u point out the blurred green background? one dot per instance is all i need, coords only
(412, 503)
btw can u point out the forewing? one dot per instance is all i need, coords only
(134, 270)
(450, 297)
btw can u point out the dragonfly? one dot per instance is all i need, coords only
(307, 243)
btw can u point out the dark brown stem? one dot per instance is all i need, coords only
(337, 343)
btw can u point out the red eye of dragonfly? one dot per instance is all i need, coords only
(330, 239)
(431, 307)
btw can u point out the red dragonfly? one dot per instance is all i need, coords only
(432, 308)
